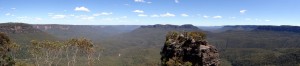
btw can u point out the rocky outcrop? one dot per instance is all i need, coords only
(188, 49)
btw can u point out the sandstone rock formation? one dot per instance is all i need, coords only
(168, 26)
(188, 49)
(17, 28)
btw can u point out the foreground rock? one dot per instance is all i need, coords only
(188, 49)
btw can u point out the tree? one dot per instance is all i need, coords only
(47, 51)
(5, 59)
(35, 51)
(52, 52)
(85, 45)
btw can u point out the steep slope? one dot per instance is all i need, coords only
(149, 36)
(282, 28)
(94, 32)
(255, 37)
(141, 46)
(23, 33)
(255, 45)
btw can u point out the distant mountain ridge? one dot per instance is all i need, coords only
(23, 33)
(153, 35)
(88, 31)
(142, 43)
(17, 28)
(282, 28)
(168, 26)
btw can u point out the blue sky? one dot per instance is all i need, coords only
(148, 12)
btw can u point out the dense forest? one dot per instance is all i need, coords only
(134, 45)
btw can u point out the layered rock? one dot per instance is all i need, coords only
(168, 26)
(17, 28)
(188, 49)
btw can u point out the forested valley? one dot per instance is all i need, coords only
(140, 45)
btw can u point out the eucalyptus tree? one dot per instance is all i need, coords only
(52, 52)
(5, 43)
(84, 45)
(47, 51)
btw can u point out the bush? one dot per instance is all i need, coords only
(5, 59)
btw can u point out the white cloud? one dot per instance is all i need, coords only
(124, 17)
(139, 1)
(154, 15)
(72, 15)
(103, 13)
(108, 19)
(267, 20)
(13, 8)
(58, 16)
(142, 1)
(97, 14)
(106, 13)
(7, 14)
(176, 1)
(82, 8)
(243, 11)
(217, 17)
(205, 16)
(85, 17)
(142, 15)
(138, 11)
(23, 18)
(184, 15)
(167, 15)
(27, 19)
(114, 19)
(256, 19)
(50, 14)
(248, 19)
(232, 17)
(88, 18)
(38, 19)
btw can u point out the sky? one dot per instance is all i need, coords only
(149, 12)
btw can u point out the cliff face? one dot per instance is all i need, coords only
(17, 28)
(186, 26)
(188, 49)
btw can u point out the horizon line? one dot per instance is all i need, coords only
(149, 24)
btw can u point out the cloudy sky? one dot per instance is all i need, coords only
(148, 12)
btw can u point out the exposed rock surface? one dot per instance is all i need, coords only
(188, 49)
(168, 26)
(17, 28)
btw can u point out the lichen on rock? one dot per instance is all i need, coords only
(188, 49)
